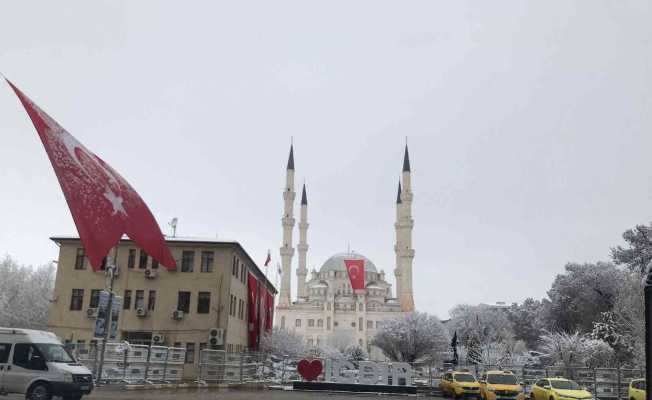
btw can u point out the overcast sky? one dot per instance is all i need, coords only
(528, 123)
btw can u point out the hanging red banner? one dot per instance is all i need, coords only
(355, 268)
(253, 312)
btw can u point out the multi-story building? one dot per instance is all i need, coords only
(207, 291)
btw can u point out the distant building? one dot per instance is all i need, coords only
(497, 305)
(327, 310)
(178, 308)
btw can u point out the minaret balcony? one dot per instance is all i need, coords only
(303, 225)
(302, 247)
(289, 195)
(287, 251)
(288, 221)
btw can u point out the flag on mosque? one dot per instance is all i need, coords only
(355, 269)
(102, 203)
(268, 259)
(280, 271)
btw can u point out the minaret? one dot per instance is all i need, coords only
(287, 251)
(404, 250)
(302, 271)
(398, 246)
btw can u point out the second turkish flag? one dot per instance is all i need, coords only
(355, 268)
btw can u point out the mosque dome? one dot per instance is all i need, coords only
(336, 262)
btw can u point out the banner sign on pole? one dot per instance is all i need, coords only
(102, 314)
(116, 306)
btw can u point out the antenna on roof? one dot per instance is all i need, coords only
(173, 224)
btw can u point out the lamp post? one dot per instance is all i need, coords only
(111, 268)
(648, 330)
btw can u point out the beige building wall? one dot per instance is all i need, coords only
(227, 281)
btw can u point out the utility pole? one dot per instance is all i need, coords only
(648, 330)
(111, 267)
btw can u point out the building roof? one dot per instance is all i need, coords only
(406, 160)
(336, 262)
(304, 197)
(187, 240)
(291, 158)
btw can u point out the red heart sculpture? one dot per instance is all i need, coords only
(310, 370)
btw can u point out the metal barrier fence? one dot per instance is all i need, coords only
(129, 363)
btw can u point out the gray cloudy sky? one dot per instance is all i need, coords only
(529, 126)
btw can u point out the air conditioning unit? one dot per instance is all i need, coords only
(151, 273)
(91, 313)
(158, 339)
(216, 337)
(177, 314)
(141, 312)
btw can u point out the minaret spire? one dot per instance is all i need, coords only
(398, 196)
(302, 271)
(403, 248)
(287, 221)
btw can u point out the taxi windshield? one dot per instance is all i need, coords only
(464, 378)
(501, 379)
(565, 385)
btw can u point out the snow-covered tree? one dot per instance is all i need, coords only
(412, 337)
(355, 354)
(281, 342)
(326, 351)
(575, 349)
(612, 330)
(637, 256)
(25, 294)
(473, 350)
(528, 320)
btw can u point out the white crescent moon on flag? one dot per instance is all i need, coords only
(354, 270)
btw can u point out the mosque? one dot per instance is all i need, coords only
(327, 310)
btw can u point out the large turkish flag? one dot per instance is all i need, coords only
(355, 268)
(103, 205)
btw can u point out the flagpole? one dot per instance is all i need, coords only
(111, 265)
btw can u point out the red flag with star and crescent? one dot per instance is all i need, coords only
(355, 268)
(103, 205)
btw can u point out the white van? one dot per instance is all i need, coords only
(36, 364)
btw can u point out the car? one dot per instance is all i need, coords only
(459, 384)
(558, 389)
(36, 364)
(500, 385)
(636, 389)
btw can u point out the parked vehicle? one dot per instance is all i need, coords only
(558, 389)
(500, 385)
(636, 389)
(459, 384)
(36, 364)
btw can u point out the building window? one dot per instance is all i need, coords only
(183, 302)
(95, 298)
(190, 353)
(237, 270)
(335, 323)
(297, 323)
(311, 323)
(207, 261)
(131, 260)
(142, 261)
(79, 259)
(103, 264)
(360, 324)
(202, 346)
(77, 299)
(151, 301)
(140, 299)
(233, 266)
(187, 261)
(126, 300)
(352, 324)
(320, 323)
(203, 302)
(328, 306)
(154, 263)
(370, 324)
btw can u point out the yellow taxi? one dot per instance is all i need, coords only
(558, 389)
(500, 385)
(636, 389)
(459, 384)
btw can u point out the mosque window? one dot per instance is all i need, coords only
(311, 323)
(320, 323)
(360, 326)
(297, 323)
(328, 306)
(370, 324)
(335, 323)
(352, 324)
